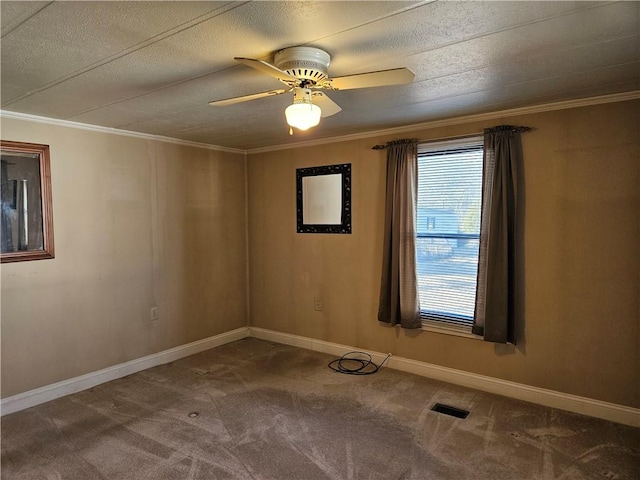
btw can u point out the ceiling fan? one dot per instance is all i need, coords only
(304, 71)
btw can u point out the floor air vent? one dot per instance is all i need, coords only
(448, 410)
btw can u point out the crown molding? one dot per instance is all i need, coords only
(546, 107)
(114, 131)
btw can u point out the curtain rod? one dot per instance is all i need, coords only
(441, 139)
(455, 137)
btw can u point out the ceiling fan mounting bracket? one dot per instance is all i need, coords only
(308, 64)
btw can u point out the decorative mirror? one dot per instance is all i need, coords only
(324, 199)
(26, 232)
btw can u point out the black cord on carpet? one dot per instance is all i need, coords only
(350, 365)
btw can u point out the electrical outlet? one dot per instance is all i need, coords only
(155, 315)
(318, 304)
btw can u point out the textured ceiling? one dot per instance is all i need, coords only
(152, 67)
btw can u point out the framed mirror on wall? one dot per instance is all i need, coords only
(26, 231)
(324, 199)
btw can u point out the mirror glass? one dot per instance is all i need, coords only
(324, 199)
(26, 232)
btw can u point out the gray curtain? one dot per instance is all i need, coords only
(496, 290)
(399, 301)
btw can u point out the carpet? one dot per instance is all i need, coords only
(259, 410)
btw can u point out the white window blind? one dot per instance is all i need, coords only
(448, 229)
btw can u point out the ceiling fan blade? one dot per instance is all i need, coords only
(395, 76)
(328, 106)
(246, 98)
(267, 68)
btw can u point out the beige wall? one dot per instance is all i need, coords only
(581, 256)
(136, 223)
(140, 222)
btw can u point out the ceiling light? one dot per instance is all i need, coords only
(302, 114)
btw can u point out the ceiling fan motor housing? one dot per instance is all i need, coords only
(305, 63)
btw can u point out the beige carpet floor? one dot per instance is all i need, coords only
(258, 410)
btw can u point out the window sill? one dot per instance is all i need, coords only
(436, 327)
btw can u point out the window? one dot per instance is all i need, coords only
(448, 230)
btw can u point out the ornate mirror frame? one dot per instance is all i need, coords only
(343, 225)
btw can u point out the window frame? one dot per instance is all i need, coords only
(443, 323)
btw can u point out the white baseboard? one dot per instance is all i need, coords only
(541, 396)
(550, 398)
(83, 382)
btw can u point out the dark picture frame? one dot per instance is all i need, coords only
(310, 183)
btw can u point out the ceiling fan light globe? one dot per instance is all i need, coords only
(303, 116)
